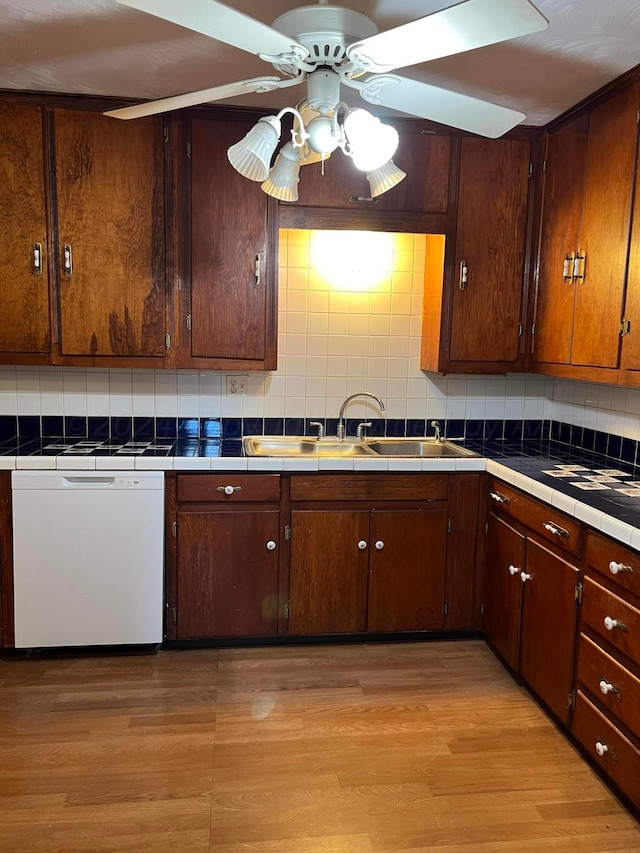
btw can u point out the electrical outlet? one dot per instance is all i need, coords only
(237, 385)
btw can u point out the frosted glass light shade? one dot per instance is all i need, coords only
(384, 178)
(282, 182)
(372, 143)
(252, 155)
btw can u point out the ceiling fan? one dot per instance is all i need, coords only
(328, 46)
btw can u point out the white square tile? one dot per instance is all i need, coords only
(471, 464)
(155, 463)
(232, 463)
(588, 514)
(8, 463)
(564, 503)
(325, 464)
(405, 464)
(35, 463)
(76, 463)
(361, 463)
(115, 463)
(616, 529)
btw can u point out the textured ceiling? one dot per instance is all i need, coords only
(98, 47)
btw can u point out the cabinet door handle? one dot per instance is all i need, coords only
(228, 490)
(514, 570)
(271, 545)
(606, 687)
(602, 749)
(464, 275)
(556, 530)
(362, 545)
(37, 259)
(501, 499)
(379, 545)
(257, 270)
(610, 624)
(614, 568)
(67, 260)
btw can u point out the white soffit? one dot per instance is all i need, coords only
(97, 47)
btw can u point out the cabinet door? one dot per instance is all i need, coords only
(425, 159)
(227, 577)
(407, 564)
(109, 180)
(328, 579)
(608, 186)
(492, 214)
(503, 588)
(631, 342)
(560, 235)
(24, 289)
(548, 627)
(229, 269)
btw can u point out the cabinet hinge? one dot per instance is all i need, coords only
(174, 529)
(167, 341)
(578, 593)
(448, 525)
(188, 149)
(579, 263)
(482, 609)
(287, 534)
(571, 703)
(285, 610)
(624, 327)
(533, 328)
(486, 527)
(544, 165)
(530, 169)
(189, 318)
(172, 612)
(520, 330)
(446, 608)
(165, 133)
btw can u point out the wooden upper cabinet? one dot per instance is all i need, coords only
(608, 188)
(631, 341)
(233, 317)
(423, 156)
(24, 284)
(564, 164)
(110, 217)
(490, 243)
(588, 192)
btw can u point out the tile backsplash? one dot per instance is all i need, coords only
(334, 340)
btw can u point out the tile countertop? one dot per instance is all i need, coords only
(593, 488)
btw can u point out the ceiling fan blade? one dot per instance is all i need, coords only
(466, 26)
(221, 22)
(204, 96)
(436, 104)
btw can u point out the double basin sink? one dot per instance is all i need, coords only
(310, 446)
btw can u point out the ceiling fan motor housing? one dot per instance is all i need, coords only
(326, 31)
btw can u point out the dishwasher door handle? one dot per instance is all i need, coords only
(88, 482)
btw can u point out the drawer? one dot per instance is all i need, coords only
(614, 561)
(549, 523)
(228, 488)
(612, 618)
(608, 747)
(615, 687)
(369, 487)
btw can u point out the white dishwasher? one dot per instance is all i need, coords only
(87, 557)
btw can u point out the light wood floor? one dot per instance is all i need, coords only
(335, 749)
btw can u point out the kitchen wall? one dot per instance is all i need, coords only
(335, 339)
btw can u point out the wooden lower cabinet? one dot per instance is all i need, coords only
(328, 584)
(407, 558)
(530, 611)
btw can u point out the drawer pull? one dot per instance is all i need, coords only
(602, 749)
(610, 624)
(614, 568)
(606, 687)
(514, 570)
(229, 490)
(362, 545)
(524, 577)
(501, 499)
(556, 530)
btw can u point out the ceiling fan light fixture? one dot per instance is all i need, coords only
(283, 179)
(371, 143)
(251, 156)
(384, 178)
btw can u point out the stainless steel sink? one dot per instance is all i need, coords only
(309, 446)
(302, 445)
(422, 447)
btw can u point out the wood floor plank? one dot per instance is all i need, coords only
(390, 748)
